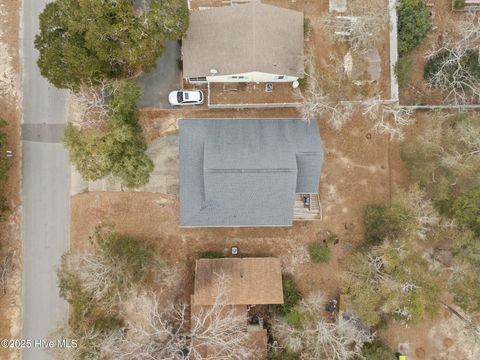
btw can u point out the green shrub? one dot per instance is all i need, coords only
(119, 148)
(468, 67)
(211, 255)
(319, 252)
(465, 287)
(70, 287)
(306, 26)
(466, 210)
(284, 355)
(291, 296)
(414, 23)
(295, 318)
(377, 351)
(131, 258)
(403, 69)
(107, 324)
(459, 4)
(379, 223)
(4, 208)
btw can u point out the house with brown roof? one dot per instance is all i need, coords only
(251, 42)
(246, 282)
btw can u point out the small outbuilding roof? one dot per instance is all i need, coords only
(246, 172)
(246, 281)
(244, 38)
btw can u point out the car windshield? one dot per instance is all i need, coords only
(179, 97)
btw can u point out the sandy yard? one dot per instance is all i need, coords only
(350, 179)
(360, 167)
(10, 230)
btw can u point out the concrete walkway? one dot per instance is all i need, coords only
(392, 14)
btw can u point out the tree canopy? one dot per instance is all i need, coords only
(118, 148)
(85, 41)
(414, 23)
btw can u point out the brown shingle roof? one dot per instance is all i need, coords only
(244, 38)
(247, 281)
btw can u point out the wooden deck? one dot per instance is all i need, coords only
(312, 212)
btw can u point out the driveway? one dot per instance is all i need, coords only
(45, 191)
(164, 78)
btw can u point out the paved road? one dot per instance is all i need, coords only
(45, 192)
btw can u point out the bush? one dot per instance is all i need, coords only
(119, 149)
(4, 208)
(414, 23)
(211, 255)
(466, 68)
(284, 355)
(123, 261)
(466, 210)
(81, 302)
(403, 69)
(373, 292)
(132, 258)
(379, 223)
(465, 287)
(439, 161)
(306, 26)
(291, 296)
(319, 252)
(295, 318)
(377, 351)
(459, 4)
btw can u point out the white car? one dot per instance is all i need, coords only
(185, 97)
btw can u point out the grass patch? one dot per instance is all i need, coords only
(291, 296)
(319, 252)
(403, 70)
(459, 4)
(211, 255)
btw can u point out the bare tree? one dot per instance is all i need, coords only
(320, 339)
(316, 102)
(93, 101)
(422, 214)
(361, 27)
(387, 117)
(450, 71)
(153, 330)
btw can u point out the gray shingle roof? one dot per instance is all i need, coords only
(244, 38)
(246, 172)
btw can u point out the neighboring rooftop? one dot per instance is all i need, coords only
(246, 172)
(246, 281)
(244, 38)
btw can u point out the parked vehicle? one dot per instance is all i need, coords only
(185, 97)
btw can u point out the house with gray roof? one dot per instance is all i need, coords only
(249, 172)
(251, 42)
